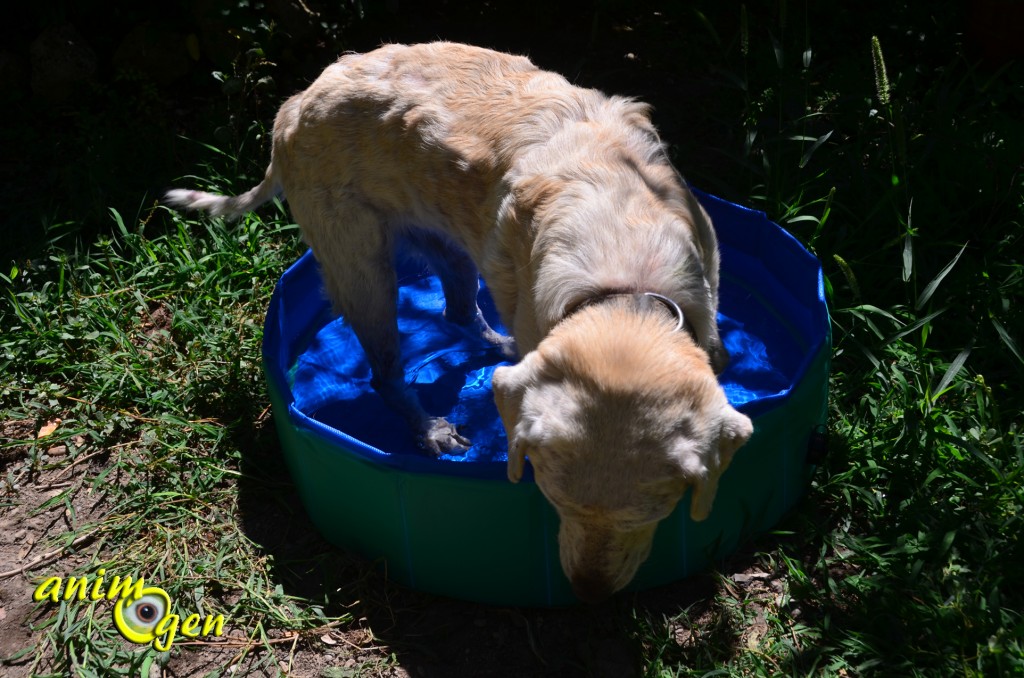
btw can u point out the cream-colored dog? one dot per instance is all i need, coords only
(599, 259)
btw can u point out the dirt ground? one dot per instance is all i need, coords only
(396, 632)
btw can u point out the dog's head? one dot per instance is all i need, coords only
(619, 416)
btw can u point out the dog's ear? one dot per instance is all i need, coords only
(736, 429)
(509, 385)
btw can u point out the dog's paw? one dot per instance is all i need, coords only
(505, 345)
(440, 437)
(479, 328)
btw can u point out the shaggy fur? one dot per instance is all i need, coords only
(559, 196)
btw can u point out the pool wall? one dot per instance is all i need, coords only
(485, 539)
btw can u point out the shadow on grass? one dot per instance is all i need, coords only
(436, 636)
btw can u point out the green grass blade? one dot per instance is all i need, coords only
(908, 257)
(814, 147)
(920, 322)
(908, 245)
(965, 444)
(804, 217)
(953, 370)
(870, 308)
(827, 210)
(929, 290)
(116, 216)
(1008, 340)
(777, 49)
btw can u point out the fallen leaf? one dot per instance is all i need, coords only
(48, 428)
(328, 639)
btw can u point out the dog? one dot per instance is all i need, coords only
(600, 261)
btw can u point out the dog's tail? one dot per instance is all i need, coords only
(223, 205)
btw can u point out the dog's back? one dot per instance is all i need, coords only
(431, 124)
(428, 133)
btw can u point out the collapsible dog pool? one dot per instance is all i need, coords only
(456, 526)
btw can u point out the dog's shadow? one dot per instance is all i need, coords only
(436, 636)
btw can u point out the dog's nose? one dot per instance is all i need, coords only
(591, 589)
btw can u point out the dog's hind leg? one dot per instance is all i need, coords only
(460, 282)
(356, 255)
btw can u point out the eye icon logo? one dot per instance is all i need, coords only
(145, 617)
(142, 614)
(139, 619)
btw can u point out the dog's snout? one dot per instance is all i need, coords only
(591, 589)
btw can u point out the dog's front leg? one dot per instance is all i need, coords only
(433, 433)
(364, 290)
(460, 281)
(378, 335)
(379, 339)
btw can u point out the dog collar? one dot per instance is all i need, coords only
(672, 306)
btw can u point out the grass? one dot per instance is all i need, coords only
(138, 352)
(145, 348)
